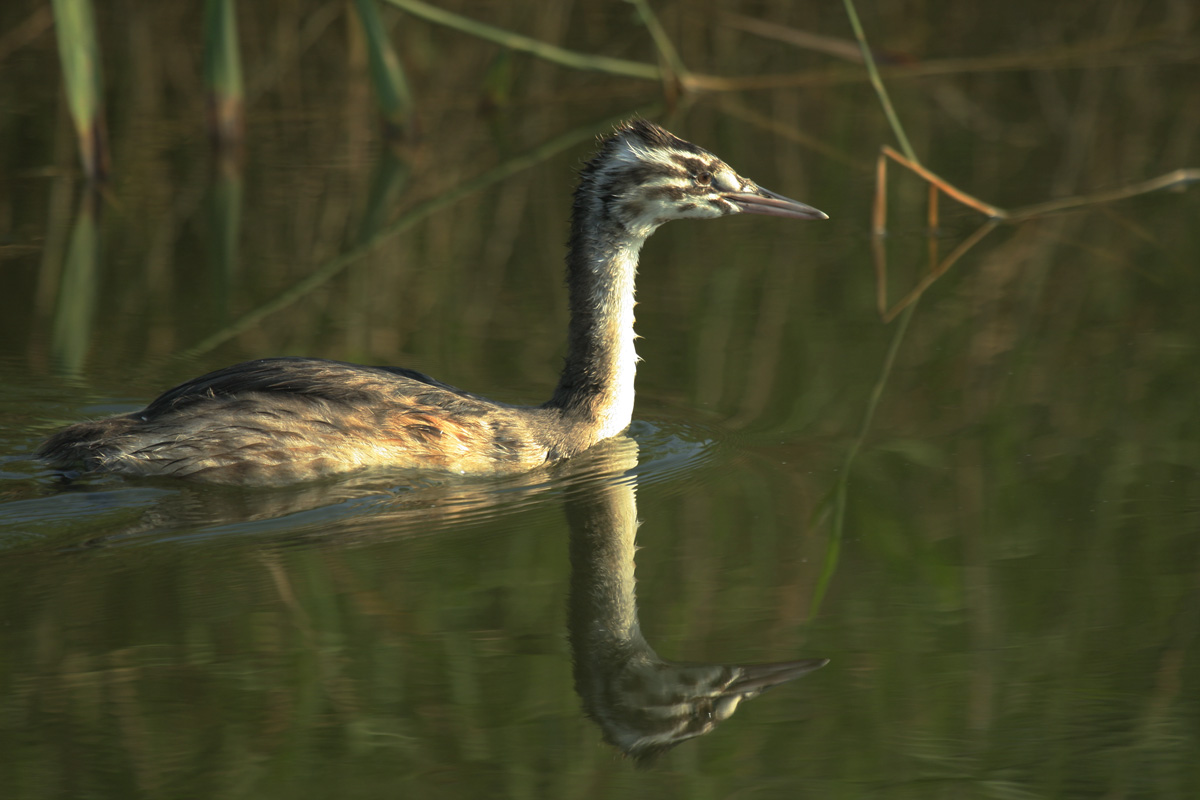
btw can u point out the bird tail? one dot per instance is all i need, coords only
(85, 445)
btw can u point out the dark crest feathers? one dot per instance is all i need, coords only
(649, 134)
(654, 136)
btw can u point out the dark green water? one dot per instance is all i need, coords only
(1009, 595)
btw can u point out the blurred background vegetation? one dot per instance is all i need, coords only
(1014, 596)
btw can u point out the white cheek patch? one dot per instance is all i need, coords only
(728, 181)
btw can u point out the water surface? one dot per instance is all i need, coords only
(1009, 596)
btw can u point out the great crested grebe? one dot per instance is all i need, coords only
(284, 420)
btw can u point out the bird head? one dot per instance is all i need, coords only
(644, 176)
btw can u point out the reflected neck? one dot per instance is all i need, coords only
(603, 624)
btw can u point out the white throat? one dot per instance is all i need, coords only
(613, 296)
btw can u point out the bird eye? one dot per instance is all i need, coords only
(704, 178)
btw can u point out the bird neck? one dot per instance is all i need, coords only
(596, 387)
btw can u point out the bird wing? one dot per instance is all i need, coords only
(315, 379)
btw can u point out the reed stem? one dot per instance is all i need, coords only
(75, 25)
(525, 44)
(387, 73)
(223, 75)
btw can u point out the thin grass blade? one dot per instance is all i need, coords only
(223, 75)
(387, 73)
(75, 24)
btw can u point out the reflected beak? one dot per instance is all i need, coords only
(773, 205)
(757, 678)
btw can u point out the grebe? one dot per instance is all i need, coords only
(285, 420)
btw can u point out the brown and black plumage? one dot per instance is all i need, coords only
(283, 420)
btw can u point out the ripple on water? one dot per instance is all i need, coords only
(675, 452)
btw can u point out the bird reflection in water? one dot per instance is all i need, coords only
(644, 704)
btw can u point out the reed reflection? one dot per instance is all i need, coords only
(644, 704)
